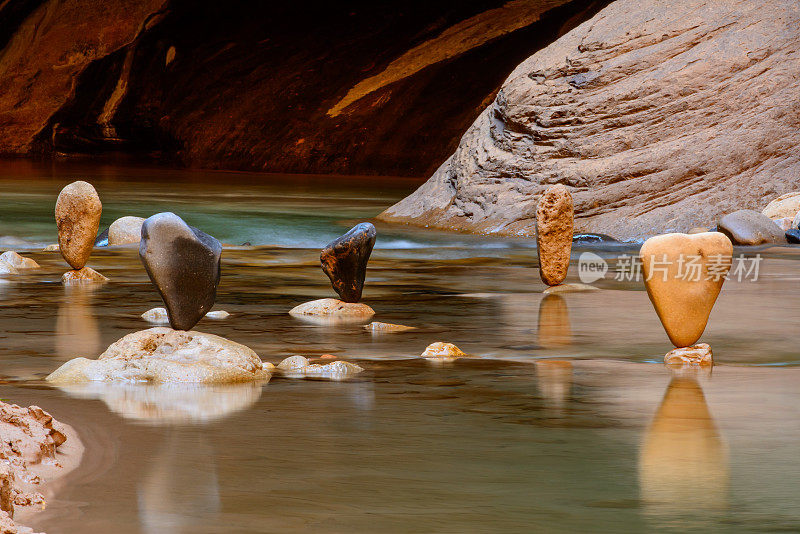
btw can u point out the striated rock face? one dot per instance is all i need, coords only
(660, 116)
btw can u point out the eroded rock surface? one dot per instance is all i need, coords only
(659, 117)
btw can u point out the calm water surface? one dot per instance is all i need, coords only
(562, 422)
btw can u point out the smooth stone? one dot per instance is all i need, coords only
(164, 355)
(440, 349)
(102, 239)
(793, 236)
(698, 230)
(684, 305)
(17, 261)
(748, 227)
(87, 274)
(125, 231)
(554, 226)
(784, 223)
(7, 268)
(379, 327)
(51, 248)
(699, 354)
(78, 211)
(569, 288)
(218, 315)
(786, 205)
(333, 307)
(184, 265)
(299, 367)
(345, 259)
(160, 316)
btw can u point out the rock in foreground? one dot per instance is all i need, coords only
(163, 355)
(78, 211)
(683, 276)
(184, 265)
(345, 259)
(660, 116)
(749, 227)
(554, 222)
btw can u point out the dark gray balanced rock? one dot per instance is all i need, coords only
(749, 227)
(184, 265)
(345, 259)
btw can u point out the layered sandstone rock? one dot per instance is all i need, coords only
(659, 116)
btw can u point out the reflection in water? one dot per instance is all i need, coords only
(77, 333)
(683, 465)
(170, 403)
(554, 380)
(180, 491)
(554, 327)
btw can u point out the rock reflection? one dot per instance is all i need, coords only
(77, 333)
(554, 327)
(554, 380)
(180, 491)
(170, 403)
(683, 466)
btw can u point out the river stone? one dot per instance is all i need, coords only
(786, 205)
(160, 316)
(379, 327)
(683, 299)
(345, 259)
(87, 274)
(164, 355)
(699, 354)
(793, 236)
(78, 210)
(125, 231)
(569, 288)
(184, 265)
(299, 367)
(7, 268)
(748, 227)
(333, 307)
(443, 350)
(17, 261)
(554, 217)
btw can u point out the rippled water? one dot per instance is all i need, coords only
(561, 422)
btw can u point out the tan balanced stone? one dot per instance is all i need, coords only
(786, 205)
(554, 221)
(17, 261)
(86, 274)
(444, 350)
(683, 276)
(125, 231)
(333, 307)
(699, 354)
(78, 210)
(379, 327)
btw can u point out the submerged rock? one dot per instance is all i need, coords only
(299, 367)
(125, 231)
(18, 262)
(184, 265)
(86, 274)
(442, 350)
(165, 355)
(683, 276)
(160, 316)
(554, 219)
(748, 227)
(345, 259)
(378, 327)
(333, 307)
(699, 354)
(218, 315)
(78, 211)
(786, 205)
(569, 288)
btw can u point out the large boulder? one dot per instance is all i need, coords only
(659, 116)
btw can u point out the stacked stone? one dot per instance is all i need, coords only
(77, 212)
(554, 229)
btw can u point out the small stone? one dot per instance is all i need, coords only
(7, 268)
(786, 205)
(156, 316)
(125, 231)
(184, 265)
(87, 274)
(683, 296)
(299, 367)
(793, 236)
(51, 248)
(748, 227)
(784, 223)
(554, 226)
(218, 315)
(17, 261)
(698, 230)
(441, 349)
(345, 259)
(699, 354)
(78, 210)
(164, 355)
(333, 307)
(387, 327)
(569, 288)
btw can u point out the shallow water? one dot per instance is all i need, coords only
(512, 440)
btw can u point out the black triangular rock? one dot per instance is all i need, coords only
(345, 259)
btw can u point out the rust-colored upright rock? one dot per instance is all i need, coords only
(78, 210)
(554, 220)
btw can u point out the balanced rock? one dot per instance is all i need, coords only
(125, 231)
(699, 354)
(683, 276)
(184, 265)
(86, 274)
(18, 262)
(78, 210)
(748, 227)
(161, 355)
(554, 224)
(793, 236)
(333, 307)
(786, 205)
(345, 259)
(443, 350)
